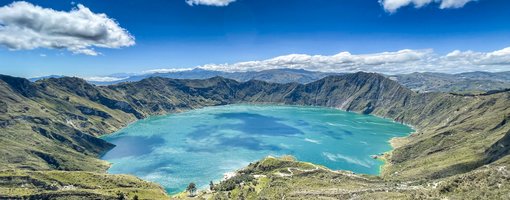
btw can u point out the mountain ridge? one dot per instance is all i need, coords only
(63, 106)
(466, 82)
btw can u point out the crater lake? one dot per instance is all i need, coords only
(202, 145)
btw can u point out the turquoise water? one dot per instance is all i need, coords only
(201, 145)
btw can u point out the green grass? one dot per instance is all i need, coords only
(453, 135)
(77, 183)
(490, 182)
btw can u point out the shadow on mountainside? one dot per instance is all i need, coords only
(498, 150)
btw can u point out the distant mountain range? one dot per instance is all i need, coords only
(273, 76)
(462, 82)
(420, 82)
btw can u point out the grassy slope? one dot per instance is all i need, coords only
(46, 125)
(43, 131)
(271, 179)
(76, 184)
(455, 141)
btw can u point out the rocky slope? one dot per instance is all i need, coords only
(52, 124)
(459, 83)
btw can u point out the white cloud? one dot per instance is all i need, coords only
(209, 2)
(342, 62)
(169, 70)
(398, 62)
(24, 26)
(403, 61)
(394, 5)
(453, 3)
(104, 78)
(495, 58)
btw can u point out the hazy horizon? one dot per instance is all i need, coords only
(91, 38)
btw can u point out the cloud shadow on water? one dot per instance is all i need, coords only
(333, 134)
(256, 124)
(132, 146)
(203, 131)
(338, 134)
(302, 123)
(146, 167)
(247, 143)
(251, 125)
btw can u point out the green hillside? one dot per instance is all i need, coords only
(49, 136)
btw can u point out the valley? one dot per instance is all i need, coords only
(51, 128)
(254, 100)
(204, 144)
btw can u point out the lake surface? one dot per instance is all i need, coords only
(201, 145)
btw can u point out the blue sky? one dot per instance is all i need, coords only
(173, 34)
